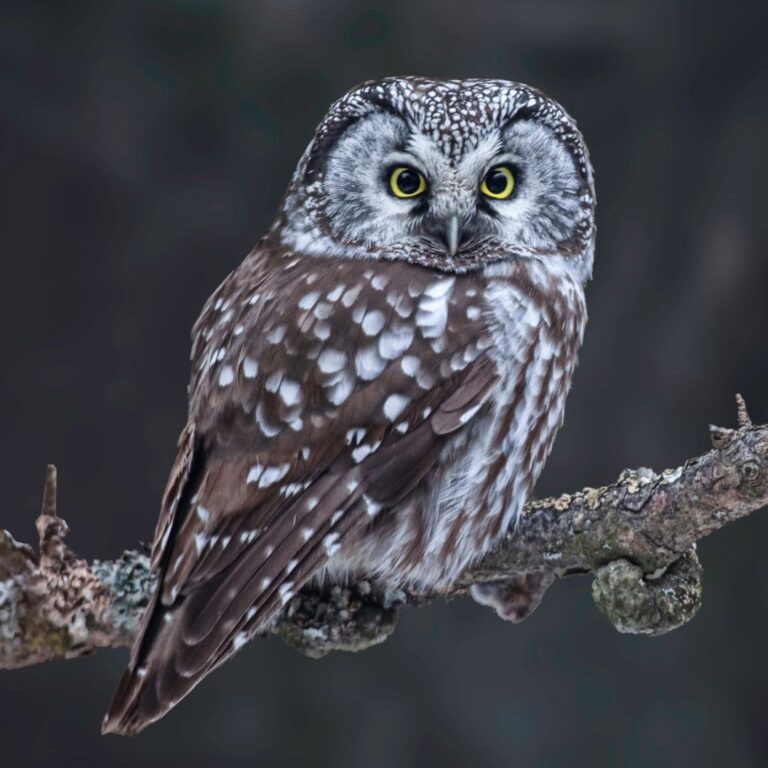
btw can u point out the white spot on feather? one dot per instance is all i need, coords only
(432, 316)
(394, 405)
(467, 415)
(350, 295)
(331, 360)
(371, 507)
(322, 310)
(379, 282)
(355, 435)
(296, 424)
(250, 368)
(285, 592)
(330, 544)
(226, 376)
(369, 364)
(410, 365)
(309, 300)
(271, 475)
(341, 390)
(458, 363)
(373, 322)
(277, 334)
(394, 341)
(239, 640)
(322, 330)
(264, 425)
(359, 453)
(335, 294)
(290, 392)
(441, 288)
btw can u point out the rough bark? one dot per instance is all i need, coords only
(636, 536)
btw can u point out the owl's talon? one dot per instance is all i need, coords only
(516, 599)
(344, 618)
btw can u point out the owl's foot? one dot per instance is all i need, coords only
(516, 599)
(340, 618)
(640, 604)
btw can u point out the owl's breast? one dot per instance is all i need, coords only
(535, 315)
(532, 324)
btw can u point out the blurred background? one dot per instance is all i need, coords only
(143, 149)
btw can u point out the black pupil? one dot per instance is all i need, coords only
(496, 181)
(408, 181)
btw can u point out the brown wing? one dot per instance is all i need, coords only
(331, 401)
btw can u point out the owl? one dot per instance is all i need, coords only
(376, 388)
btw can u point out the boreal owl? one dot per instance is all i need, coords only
(376, 388)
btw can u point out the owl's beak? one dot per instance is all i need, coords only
(452, 235)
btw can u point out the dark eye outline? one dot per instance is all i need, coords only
(511, 175)
(396, 172)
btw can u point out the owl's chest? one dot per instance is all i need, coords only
(488, 472)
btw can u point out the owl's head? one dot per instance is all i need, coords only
(450, 174)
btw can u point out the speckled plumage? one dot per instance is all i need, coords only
(363, 402)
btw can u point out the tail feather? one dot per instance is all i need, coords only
(136, 701)
(160, 674)
(205, 623)
(153, 683)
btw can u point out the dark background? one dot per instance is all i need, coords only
(143, 149)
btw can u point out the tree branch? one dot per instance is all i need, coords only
(637, 536)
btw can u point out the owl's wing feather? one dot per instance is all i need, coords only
(235, 590)
(252, 512)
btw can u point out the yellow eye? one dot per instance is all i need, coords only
(406, 182)
(499, 183)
